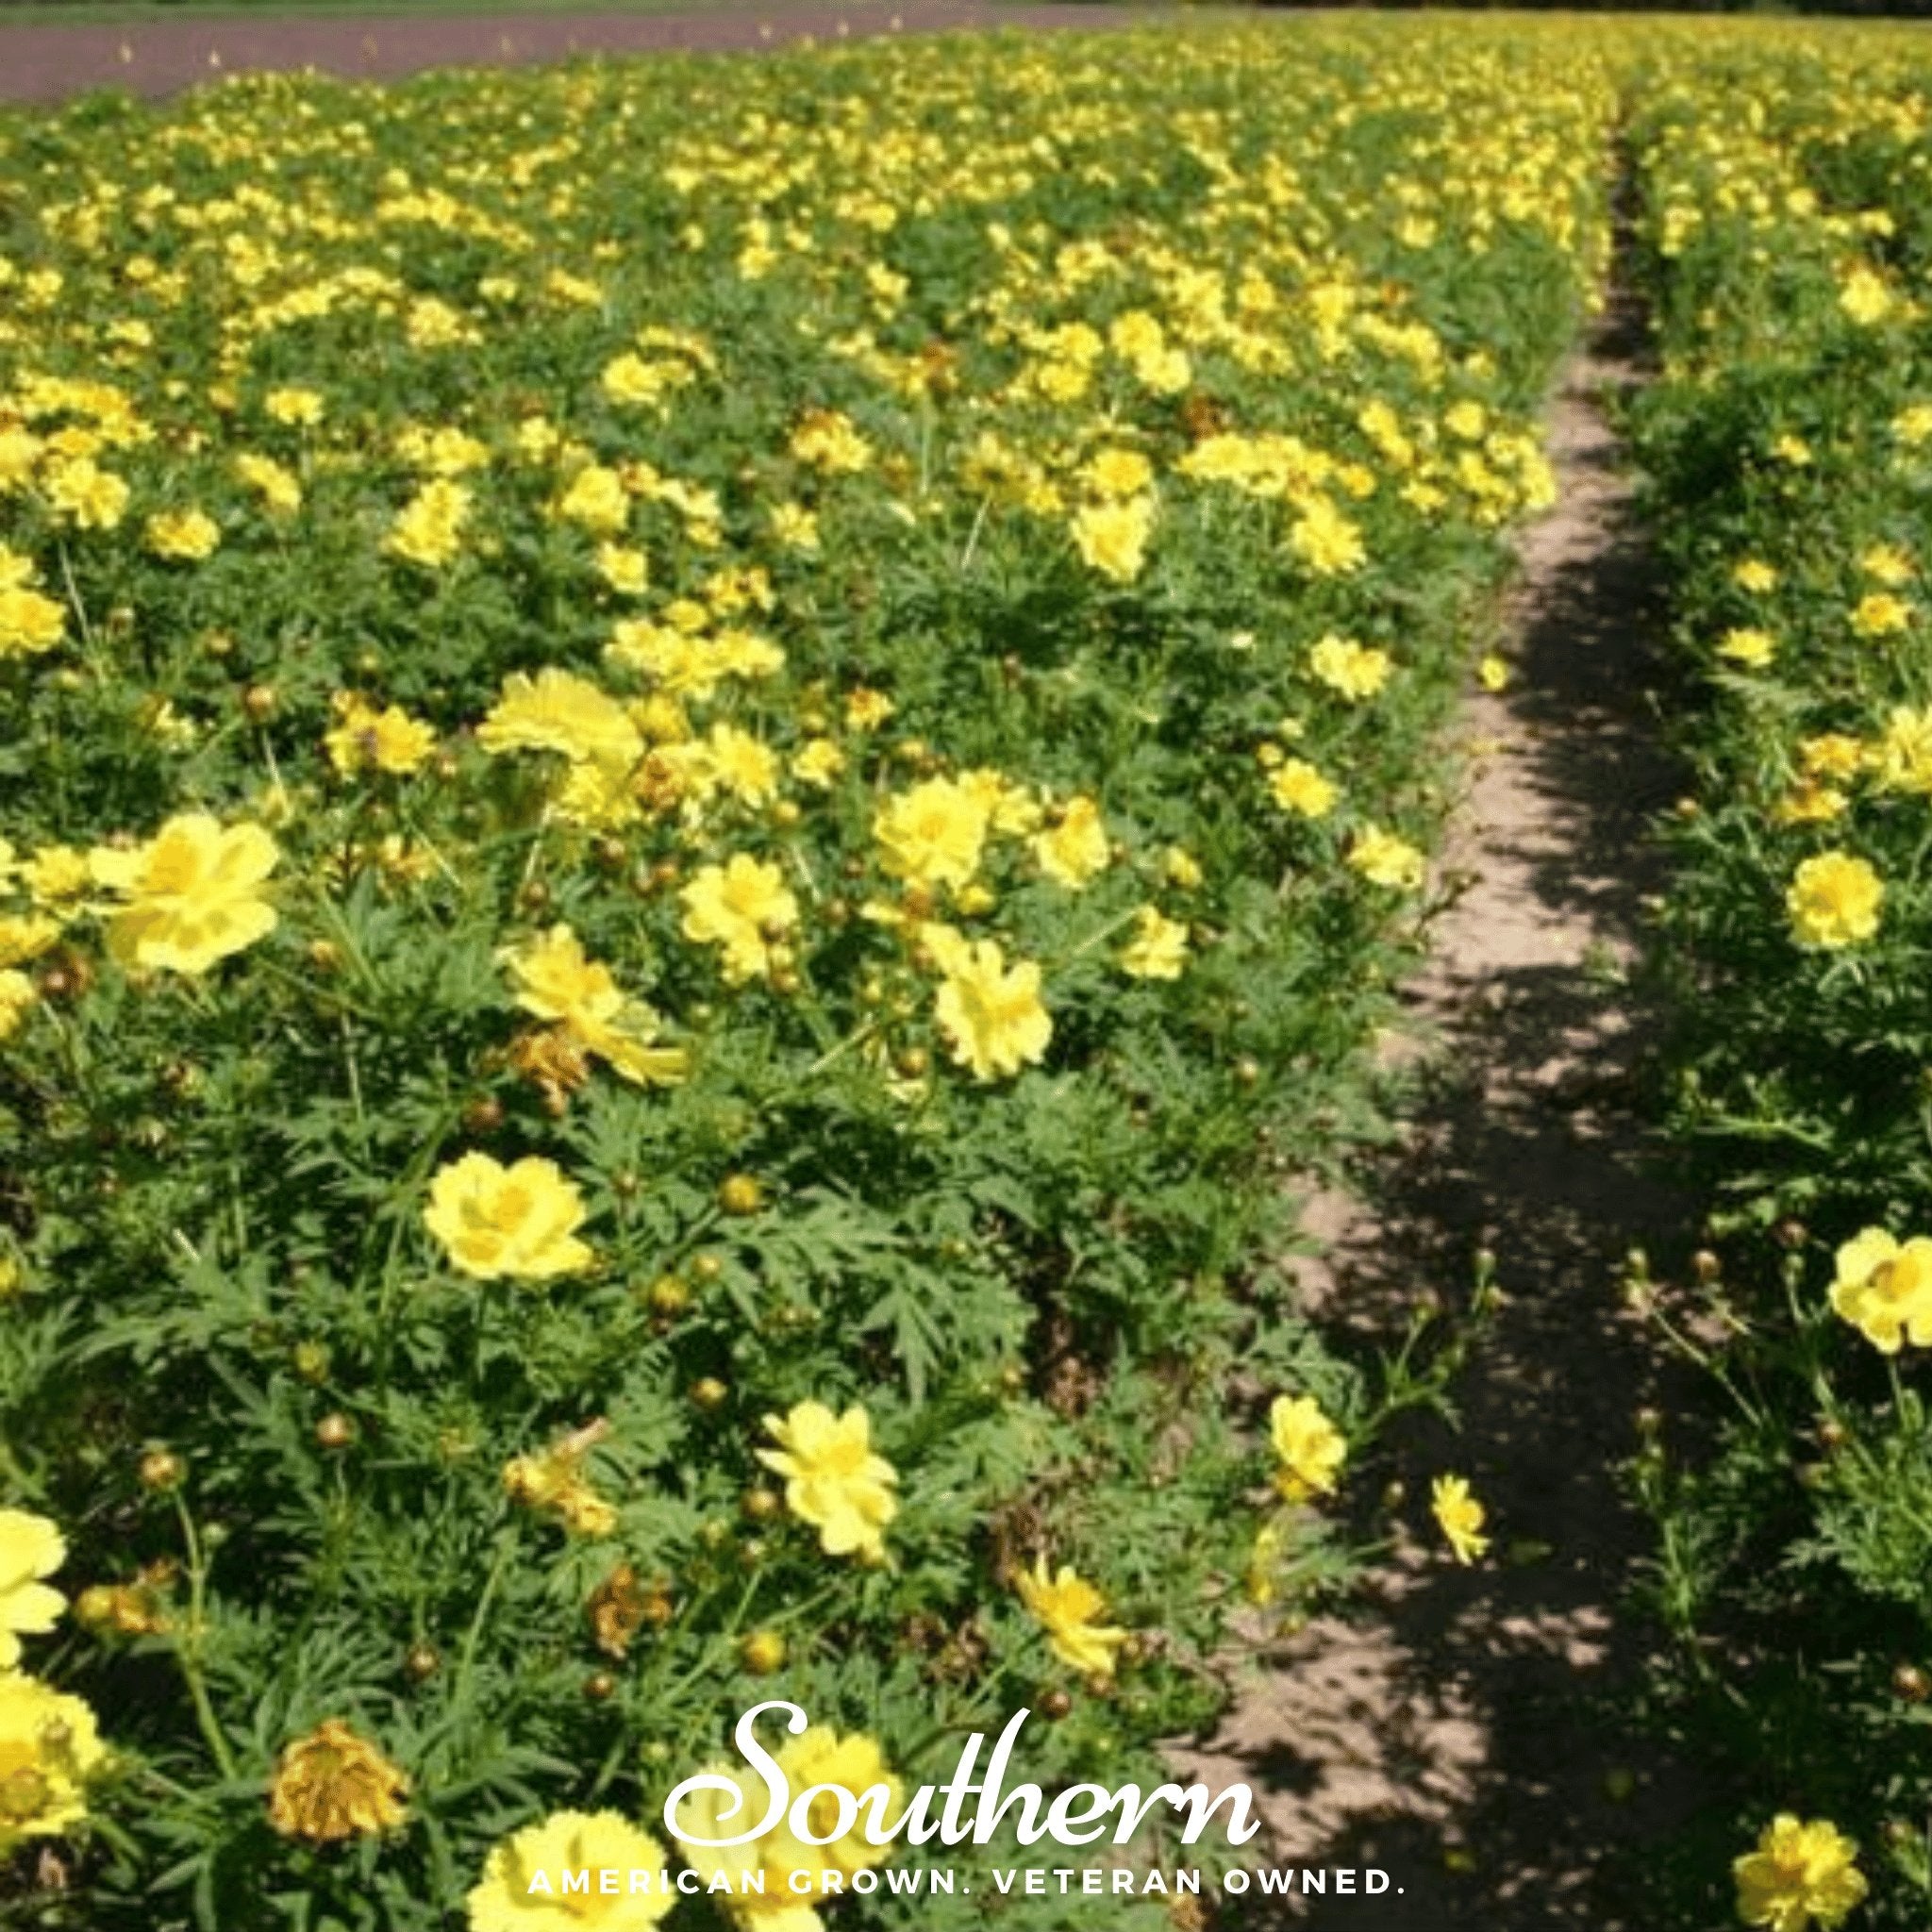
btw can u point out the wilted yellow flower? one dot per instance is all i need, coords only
(333, 1785)
(1308, 1447)
(1159, 949)
(504, 1901)
(991, 1014)
(833, 1480)
(519, 1221)
(193, 892)
(740, 905)
(50, 1744)
(1833, 901)
(1799, 1875)
(1460, 1517)
(1884, 1289)
(1067, 1607)
(556, 981)
(1072, 851)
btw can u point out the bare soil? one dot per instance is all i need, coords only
(1459, 1728)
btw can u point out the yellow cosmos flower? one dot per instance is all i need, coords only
(1325, 540)
(557, 712)
(1308, 1447)
(193, 893)
(1833, 901)
(1299, 787)
(1902, 756)
(519, 1221)
(428, 529)
(1881, 614)
(1073, 850)
(596, 500)
(30, 622)
(364, 739)
(1067, 1607)
(87, 497)
(1493, 674)
(333, 1785)
(1884, 1289)
(1112, 537)
(17, 997)
(1889, 563)
(1113, 474)
(293, 407)
(1753, 649)
(1384, 859)
(556, 981)
(1159, 949)
(1864, 297)
(833, 1480)
(740, 905)
(590, 1841)
(818, 1758)
(933, 835)
(50, 1744)
(30, 1548)
(1799, 1875)
(992, 1015)
(1460, 1517)
(1354, 671)
(1754, 574)
(182, 536)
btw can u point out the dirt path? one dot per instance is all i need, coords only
(1458, 1732)
(47, 62)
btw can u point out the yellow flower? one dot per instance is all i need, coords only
(428, 528)
(1159, 949)
(1493, 674)
(1326, 541)
(1309, 1447)
(557, 712)
(1460, 1517)
(556, 981)
(333, 1785)
(30, 1548)
(49, 1746)
(1384, 859)
(1880, 614)
(1902, 756)
(1356, 670)
(30, 623)
(385, 740)
(1073, 850)
(570, 1842)
(1113, 474)
(1066, 1608)
(193, 892)
(293, 407)
(740, 906)
(1800, 1873)
(819, 1756)
(833, 1480)
(1299, 787)
(519, 1221)
(598, 500)
(1864, 297)
(1752, 573)
(90, 497)
(18, 995)
(992, 1015)
(279, 490)
(1754, 649)
(1884, 1289)
(1833, 901)
(1112, 537)
(183, 535)
(625, 571)
(934, 834)
(1889, 563)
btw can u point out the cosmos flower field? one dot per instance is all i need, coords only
(716, 771)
